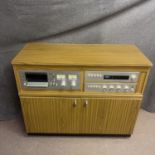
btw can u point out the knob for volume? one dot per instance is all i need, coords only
(126, 88)
(118, 88)
(104, 86)
(111, 87)
(132, 89)
(133, 77)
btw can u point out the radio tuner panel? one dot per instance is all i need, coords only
(104, 81)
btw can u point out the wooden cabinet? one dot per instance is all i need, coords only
(80, 115)
(52, 104)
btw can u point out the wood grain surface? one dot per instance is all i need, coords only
(80, 112)
(99, 116)
(81, 55)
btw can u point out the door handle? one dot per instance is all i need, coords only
(86, 103)
(75, 103)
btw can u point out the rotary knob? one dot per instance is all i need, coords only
(111, 87)
(118, 87)
(126, 88)
(132, 89)
(104, 87)
(133, 77)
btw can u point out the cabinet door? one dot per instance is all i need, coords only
(93, 114)
(51, 115)
(121, 115)
(80, 116)
(109, 115)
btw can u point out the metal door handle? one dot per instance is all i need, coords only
(86, 103)
(74, 103)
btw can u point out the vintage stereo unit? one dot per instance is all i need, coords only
(80, 88)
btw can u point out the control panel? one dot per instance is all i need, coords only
(56, 80)
(106, 87)
(93, 81)
(101, 76)
(104, 81)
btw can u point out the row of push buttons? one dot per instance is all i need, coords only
(111, 88)
(132, 77)
(98, 75)
(64, 80)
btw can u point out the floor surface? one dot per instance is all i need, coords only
(14, 141)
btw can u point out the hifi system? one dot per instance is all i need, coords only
(95, 81)
(79, 88)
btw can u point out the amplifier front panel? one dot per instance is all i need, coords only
(104, 81)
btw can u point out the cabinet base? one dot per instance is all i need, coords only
(79, 135)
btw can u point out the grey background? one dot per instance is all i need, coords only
(72, 21)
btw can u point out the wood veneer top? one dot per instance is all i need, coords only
(81, 55)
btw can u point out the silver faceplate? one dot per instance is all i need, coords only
(98, 76)
(95, 81)
(52, 82)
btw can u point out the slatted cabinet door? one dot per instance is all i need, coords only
(51, 115)
(93, 113)
(109, 115)
(121, 115)
(80, 116)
